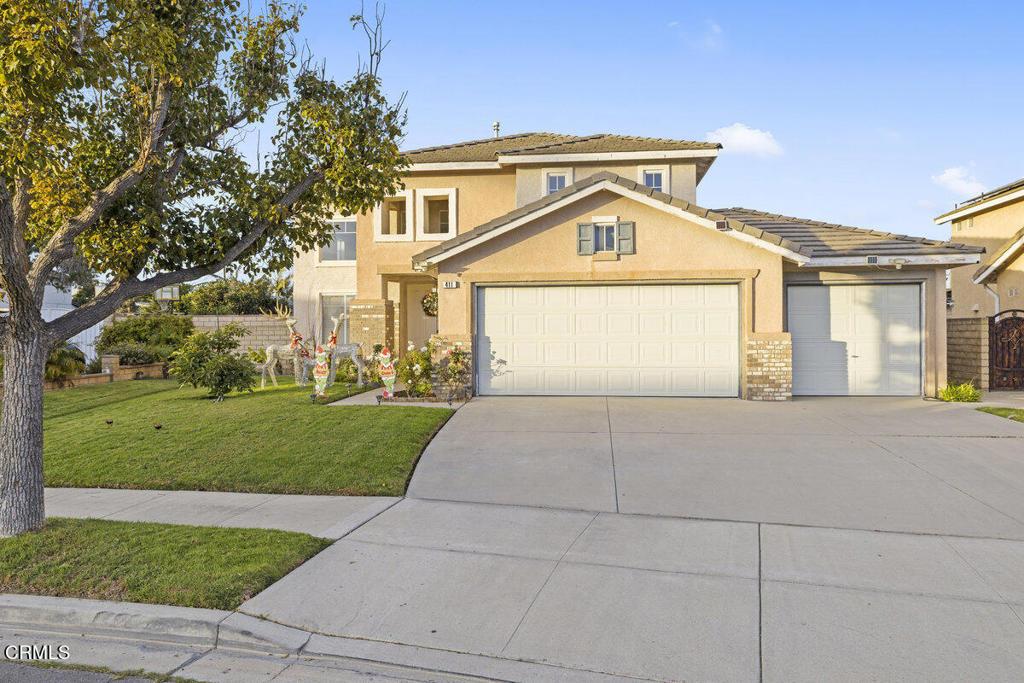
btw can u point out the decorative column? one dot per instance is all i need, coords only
(371, 321)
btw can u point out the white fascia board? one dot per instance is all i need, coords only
(456, 166)
(605, 156)
(1007, 255)
(985, 205)
(894, 260)
(631, 194)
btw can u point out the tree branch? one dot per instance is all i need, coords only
(14, 255)
(91, 313)
(61, 245)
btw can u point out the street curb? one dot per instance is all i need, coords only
(216, 629)
(185, 625)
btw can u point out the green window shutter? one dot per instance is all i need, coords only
(584, 239)
(625, 242)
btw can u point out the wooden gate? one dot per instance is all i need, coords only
(1006, 350)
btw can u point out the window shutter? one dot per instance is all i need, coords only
(584, 239)
(625, 242)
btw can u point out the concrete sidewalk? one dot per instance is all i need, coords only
(323, 516)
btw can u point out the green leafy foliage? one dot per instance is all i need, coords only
(229, 297)
(208, 360)
(960, 393)
(150, 338)
(415, 370)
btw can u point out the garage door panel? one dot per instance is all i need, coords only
(659, 340)
(856, 339)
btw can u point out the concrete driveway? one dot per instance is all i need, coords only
(656, 539)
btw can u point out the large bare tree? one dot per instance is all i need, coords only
(123, 143)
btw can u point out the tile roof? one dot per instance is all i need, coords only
(603, 142)
(489, 149)
(801, 236)
(991, 194)
(486, 149)
(820, 239)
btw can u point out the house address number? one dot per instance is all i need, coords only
(451, 284)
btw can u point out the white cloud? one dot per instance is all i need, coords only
(673, 24)
(711, 39)
(960, 181)
(740, 138)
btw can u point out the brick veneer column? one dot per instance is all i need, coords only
(967, 351)
(372, 321)
(770, 367)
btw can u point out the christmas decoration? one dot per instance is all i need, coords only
(387, 372)
(429, 303)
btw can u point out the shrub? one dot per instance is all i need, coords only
(137, 354)
(229, 297)
(347, 372)
(371, 365)
(415, 369)
(454, 371)
(208, 360)
(146, 338)
(960, 393)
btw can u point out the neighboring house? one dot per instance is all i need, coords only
(55, 304)
(995, 221)
(985, 349)
(583, 266)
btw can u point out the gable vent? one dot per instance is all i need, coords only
(872, 260)
(723, 226)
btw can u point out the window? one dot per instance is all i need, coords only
(617, 237)
(342, 246)
(391, 219)
(436, 214)
(555, 179)
(654, 177)
(334, 306)
(604, 237)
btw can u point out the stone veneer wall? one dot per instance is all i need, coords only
(372, 321)
(967, 351)
(770, 367)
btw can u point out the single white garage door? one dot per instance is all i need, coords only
(621, 340)
(851, 340)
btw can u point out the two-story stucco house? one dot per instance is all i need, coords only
(584, 265)
(995, 221)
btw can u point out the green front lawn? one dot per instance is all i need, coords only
(270, 441)
(168, 564)
(1015, 414)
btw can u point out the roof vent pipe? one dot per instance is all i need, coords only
(496, 127)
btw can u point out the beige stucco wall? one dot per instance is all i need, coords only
(990, 229)
(667, 249)
(312, 279)
(481, 197)
(530, 179)
(934, 280)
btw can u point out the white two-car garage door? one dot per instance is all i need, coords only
(621, 340)
(853, 340)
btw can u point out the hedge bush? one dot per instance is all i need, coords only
(229, 297)
(150, 338)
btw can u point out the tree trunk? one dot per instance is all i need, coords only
(21, 434)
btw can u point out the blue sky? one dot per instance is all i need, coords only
(876, 114)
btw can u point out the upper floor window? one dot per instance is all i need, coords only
(436, 214)
(391, 219)
(555, 179)
(342, 246)
(604, 237)
(655, 178)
